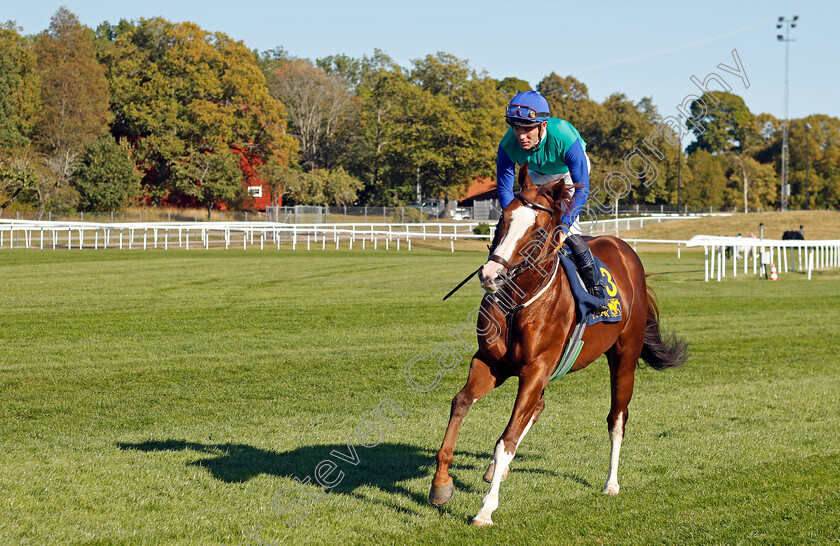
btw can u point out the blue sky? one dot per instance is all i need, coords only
(637, 48)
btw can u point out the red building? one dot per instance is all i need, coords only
(259, 192)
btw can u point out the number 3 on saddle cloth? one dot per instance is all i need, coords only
(584, 302)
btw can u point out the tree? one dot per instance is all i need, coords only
(307, 188)
(324, 187)
(441, 74)
(756, 183)
(75, 100)
(614, 131)
(708, 180)
(724, 126)
(512, 86)
(18, 174)
(180, 93)
(19, 89)
(276, 176)
(560, 91)
(448, 126)
(107, 178)
(341, 188)
(815, 155)
(380, 96)
(210, 177)
(317, 106)
(347, 68)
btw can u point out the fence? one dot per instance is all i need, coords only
(48, 234)
(808, 255)
(483, 211)
(815, 254)
(45, 235)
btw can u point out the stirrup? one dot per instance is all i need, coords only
(597, 291)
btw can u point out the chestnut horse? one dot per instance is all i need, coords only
(527, 339)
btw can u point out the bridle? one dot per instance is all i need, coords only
(526, 262)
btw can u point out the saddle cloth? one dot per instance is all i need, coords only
(585, 303)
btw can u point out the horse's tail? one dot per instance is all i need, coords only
(659, 353)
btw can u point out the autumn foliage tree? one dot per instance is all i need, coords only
(181, 94)
(75, 101)
(20, 98)
(20, 90)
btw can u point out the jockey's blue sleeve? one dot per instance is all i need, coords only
(579, 171)
(505, 169)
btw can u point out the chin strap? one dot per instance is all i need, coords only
(543, 132)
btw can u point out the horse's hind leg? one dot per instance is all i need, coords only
(622, 375)
(526, 409)
(481, 381)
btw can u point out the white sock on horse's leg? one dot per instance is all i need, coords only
(616, 435)
(501, 460)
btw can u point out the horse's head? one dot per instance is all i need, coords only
(527, 229)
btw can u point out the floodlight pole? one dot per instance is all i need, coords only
(788, 23)
(807, 166)
(679, 165)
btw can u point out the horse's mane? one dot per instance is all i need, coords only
(561, 195)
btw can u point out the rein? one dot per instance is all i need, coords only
(512, 313)
(544, 288)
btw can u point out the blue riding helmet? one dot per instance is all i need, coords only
(527, 108)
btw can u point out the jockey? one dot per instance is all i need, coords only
(554, 150)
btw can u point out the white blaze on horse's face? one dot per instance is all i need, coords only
(521, 220)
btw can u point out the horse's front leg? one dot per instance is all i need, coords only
(488, 475)
(526, 409)
(481, 381)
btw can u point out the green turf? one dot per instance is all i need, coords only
(167, 397)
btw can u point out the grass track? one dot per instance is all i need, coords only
(167, 397)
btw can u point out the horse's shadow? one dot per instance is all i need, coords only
(388, 467)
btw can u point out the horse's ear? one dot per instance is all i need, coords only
(560, 195)
(524, 178)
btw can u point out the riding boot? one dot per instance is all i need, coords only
(589, 273)
(593, 285)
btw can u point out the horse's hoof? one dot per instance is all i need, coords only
(611, 489)
(481, 523)
(441, 495)
(488, 476)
